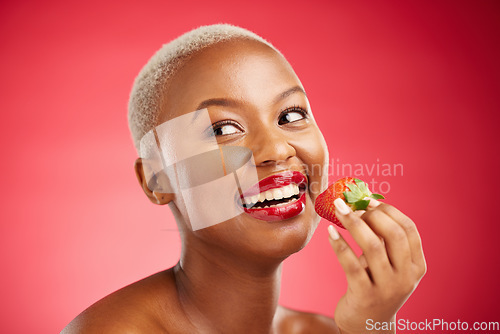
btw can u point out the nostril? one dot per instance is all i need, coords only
(273, 162)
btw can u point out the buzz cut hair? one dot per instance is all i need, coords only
(148, 91)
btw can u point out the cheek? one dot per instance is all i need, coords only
(313, 154)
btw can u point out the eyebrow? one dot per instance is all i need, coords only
(223, 102)
(288, 92)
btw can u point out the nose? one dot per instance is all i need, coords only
(271, 146)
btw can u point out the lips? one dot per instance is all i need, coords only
(277, 197)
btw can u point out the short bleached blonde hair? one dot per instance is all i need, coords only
(147, 94)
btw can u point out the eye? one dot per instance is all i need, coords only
(291, 115)
(225, 128)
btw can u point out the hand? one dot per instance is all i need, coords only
(388, 271)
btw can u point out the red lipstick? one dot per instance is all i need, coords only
(289, 207)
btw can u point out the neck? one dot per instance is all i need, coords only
(226, 294)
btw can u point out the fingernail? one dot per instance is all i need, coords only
(341, 206)
(334, 234)
(373, 201)
(359, 213)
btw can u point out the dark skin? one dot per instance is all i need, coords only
(228, 276)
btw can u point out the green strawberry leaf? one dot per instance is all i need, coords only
(355, 190)
(350, 197)
(377, 196)
(361, 204)
(362, 186)
(352, 187)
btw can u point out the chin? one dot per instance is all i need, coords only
(280, 239)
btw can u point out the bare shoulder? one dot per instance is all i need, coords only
(137, 308)
(296, 322)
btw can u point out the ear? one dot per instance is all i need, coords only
(154, 196)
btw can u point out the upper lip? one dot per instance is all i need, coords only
(277, 181)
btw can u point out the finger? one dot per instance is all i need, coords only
(368, 241)
(359, 213)
(364, 264)
(373, 202)
(411, 231)
(356, 275)
(395, 239)
(362, 261)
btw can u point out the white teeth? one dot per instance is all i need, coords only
(277, 193)
(281, 204)
(288, 191)
(269, 195)
(274, 194)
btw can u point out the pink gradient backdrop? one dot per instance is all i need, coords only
(412, 82)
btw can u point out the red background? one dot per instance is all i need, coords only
(410, 82)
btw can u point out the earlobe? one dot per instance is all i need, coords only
(148, 186)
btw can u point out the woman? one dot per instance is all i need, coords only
(228, 276)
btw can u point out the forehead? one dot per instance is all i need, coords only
(244, 70)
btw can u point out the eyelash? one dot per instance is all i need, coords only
(220, 124)
(294, 108)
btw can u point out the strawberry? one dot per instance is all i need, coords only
(351, 190)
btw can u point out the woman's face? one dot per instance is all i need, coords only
(268, 113)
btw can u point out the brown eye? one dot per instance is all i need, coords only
(291, 115)
(225, 128)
